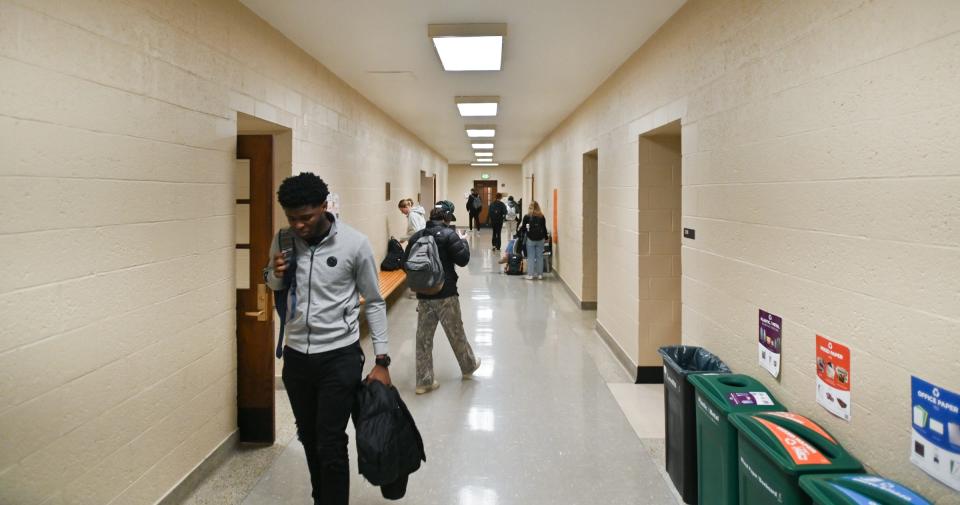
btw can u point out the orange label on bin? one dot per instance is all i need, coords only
(800, 451)
(804, 422)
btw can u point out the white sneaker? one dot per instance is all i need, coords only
(470, 375)
(529, 277)
(426, 389)
(539, 277)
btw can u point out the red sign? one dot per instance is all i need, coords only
(833, 377)
(799, 450)
(803, 421)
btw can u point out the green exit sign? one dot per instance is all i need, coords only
(484, 176)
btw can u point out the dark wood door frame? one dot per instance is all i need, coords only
(488, 194)
(255, 350)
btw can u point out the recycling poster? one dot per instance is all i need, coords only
(771, 328)
(936, 431)
(833, 377)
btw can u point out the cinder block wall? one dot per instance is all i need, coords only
(117, 135)
(821, 174)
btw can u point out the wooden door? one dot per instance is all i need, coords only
(255, 344)
(488, 195)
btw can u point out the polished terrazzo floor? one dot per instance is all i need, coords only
(550, 417)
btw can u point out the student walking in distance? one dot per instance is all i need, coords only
(324, 266)
(474, 206)
(444, 306)
(416, 217)
(497, 212)
(512, 210)
(534, 225)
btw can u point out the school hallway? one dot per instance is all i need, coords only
(773, 186)
(540, 423)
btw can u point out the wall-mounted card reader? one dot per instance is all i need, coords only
(690, 233)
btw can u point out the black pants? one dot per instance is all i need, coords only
(474, 217)
(497, 228)
(322, 388)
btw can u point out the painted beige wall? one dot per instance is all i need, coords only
(460, 179)
(117, 135)
(658, 232)
(821, 175)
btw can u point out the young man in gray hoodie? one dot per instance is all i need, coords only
(416, 217)
(323, 361)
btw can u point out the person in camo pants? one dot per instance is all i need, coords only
(442, 307)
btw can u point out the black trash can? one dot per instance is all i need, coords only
(679, 361)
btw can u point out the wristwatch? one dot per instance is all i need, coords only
(383, 360)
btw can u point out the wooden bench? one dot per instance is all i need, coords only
(390, 283)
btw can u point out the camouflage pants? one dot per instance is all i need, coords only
(445, 311)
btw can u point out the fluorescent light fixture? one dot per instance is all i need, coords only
(485, 164)
(465, 47)
(481, 131)
(484, 160)
(482, 146)
(483, 155)
(478, 106)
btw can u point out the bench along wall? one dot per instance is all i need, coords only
(821, 174)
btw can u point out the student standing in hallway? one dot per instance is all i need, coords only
(513, 208)
(534, 225)
(444, 306)
(498, 211)
(474, 206)
(332, 266)
(416, 217)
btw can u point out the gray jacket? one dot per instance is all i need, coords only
(331, 276)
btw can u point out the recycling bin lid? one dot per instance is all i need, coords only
(797, 444)
(735, 392)
(858, 489)
(688, 359)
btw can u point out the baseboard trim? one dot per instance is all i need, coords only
(192, 480)
(576, 299)
(649, 375)
(628, 365)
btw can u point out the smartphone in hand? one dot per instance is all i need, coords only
(286, 245)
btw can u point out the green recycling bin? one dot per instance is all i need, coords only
(776, 448)
(718, 396)
(858, 489)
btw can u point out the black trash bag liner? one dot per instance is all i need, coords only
(688, 359)
(389, 446)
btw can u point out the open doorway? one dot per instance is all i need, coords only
(590, 229)
(264, 157)
(659, 215)
(427, 195)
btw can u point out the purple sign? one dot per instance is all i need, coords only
(770, 331)
(752, 398)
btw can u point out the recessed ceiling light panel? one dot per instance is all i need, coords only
(483, 154)
(481, 131)
(484, 164)
(482, 146)
(478, 106)
(469, 47)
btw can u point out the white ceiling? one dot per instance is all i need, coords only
(556, 53)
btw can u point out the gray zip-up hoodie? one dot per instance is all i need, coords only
(331, 276)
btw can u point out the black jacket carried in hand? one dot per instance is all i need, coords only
(497, 212)
(389, 446)
(454, 251)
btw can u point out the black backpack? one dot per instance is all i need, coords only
(394, 259)
(538, 229)
(514, 265)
